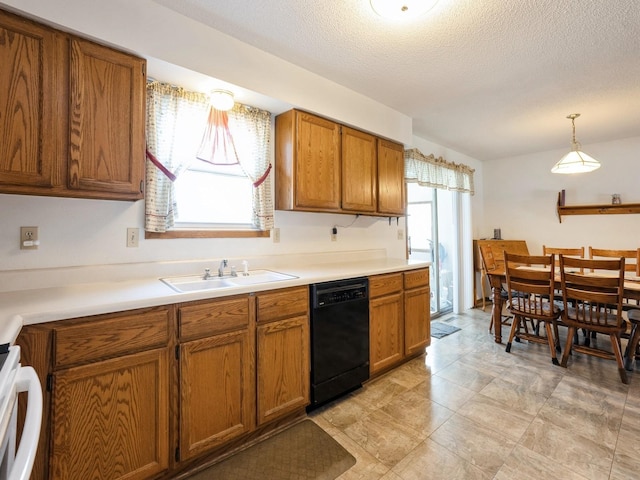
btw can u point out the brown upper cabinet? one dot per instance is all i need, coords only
(71, 115)
(323, 166)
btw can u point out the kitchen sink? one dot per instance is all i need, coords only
(194, 283)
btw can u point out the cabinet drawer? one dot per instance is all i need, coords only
(384, 284)
(416, 278)
(283, 303)
(104, 336)
(204, 319)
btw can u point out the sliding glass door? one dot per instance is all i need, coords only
(432, 235)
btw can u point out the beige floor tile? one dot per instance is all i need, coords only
(430, 461)
(483, 447)
(379, 392)
(495, 415)
(367, 467)
(384, 438)
(521, 397)
(525, 464)
(585, 456)
(414, 410)
(343, 412)
(466, 376)
(444, 392)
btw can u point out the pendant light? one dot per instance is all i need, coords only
(402, 9)
(575, 161)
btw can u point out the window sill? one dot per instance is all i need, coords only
(207, 234)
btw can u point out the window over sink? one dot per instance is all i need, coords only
(208, 172)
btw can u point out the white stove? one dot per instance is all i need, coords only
(16, 462)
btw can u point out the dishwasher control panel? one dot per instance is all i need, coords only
(331, 293)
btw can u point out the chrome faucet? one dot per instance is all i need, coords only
(207, 274)
(223, 264)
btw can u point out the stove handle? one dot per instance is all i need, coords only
(28, 381)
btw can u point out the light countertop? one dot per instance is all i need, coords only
(39, 305)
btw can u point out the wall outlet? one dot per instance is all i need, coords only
(400, 234)
(334, 234)
(275, 234)
(133, 236)
(29, 238)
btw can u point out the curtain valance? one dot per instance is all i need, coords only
(430, 171)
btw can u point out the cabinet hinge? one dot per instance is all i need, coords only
(177, 454)
(49, 382)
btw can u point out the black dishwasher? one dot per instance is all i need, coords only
(339, 338)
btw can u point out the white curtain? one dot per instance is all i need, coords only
(173, 144)
(430, 171)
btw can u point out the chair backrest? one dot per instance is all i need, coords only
(530, 283)
(596, 298)
(573, 252)
(632, 257)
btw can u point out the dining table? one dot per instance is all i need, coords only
(497, 280)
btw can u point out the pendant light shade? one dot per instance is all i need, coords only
(402, 9)
(575, 161)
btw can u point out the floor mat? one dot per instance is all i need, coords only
(304, 451)
(439, 329)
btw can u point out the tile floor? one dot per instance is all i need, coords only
(469, 410)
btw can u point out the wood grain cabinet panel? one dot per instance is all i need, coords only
(110, 419)
(283, 367)
(106, 151)
(417, 313)
(217, 391)
(308, 163)
(386, 331)
(71, 115)
(27, 108)
(391, 186)
(359, 171)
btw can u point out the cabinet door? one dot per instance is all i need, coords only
(317, 163)
(283, 367)
(386, 332)
(110, 420)
(217, 391)
(391, 196)
(27, 105)
(106, 153)
(359, 171)
(417, 332)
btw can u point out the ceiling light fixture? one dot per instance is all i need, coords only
(575, 161)
(221, 100)
(402, 9)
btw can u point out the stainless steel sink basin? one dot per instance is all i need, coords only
(194, 283)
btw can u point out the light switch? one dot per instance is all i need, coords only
(133, 235)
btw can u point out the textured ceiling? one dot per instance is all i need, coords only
(488, 78)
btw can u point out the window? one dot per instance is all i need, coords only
(206, 169)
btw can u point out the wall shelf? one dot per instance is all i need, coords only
(604, 209)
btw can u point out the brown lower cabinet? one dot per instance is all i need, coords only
(154, 392)
(399, 318)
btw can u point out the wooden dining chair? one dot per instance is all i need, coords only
(530, 286)
(557, 251)
(593, 302)
(632, 257)
(489, 263)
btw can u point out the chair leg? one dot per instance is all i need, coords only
(515, 324)
(556, 335)
(552, 346)
(632, 347)
(615, 343)
(567, 347)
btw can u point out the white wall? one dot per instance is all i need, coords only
(520, 196)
